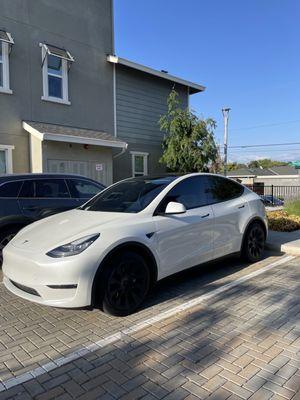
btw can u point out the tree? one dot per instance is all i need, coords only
(265, 163)
(234, 165)
(189, 144)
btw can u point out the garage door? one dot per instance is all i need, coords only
(91, 169)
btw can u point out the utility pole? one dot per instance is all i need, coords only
(225, 112)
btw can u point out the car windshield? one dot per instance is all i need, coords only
(130, 196)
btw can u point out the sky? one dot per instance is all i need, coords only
(245, 52)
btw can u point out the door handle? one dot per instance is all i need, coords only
(205, 215)
(243, 206)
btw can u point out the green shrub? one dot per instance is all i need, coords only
(293, 207)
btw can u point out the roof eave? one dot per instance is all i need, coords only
(193, 87)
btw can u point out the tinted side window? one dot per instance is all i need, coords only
(190, 192)
(27, 190)
(51, 188)
(44, 188)
(222, 189)
(81, 189)
(10, 189)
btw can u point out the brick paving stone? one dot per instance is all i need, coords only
(214, 383)
(287, 371)
(241, 344)
(276, 389)
(196, 390)
(254, 383)
(262, 394)
(219, 394)
(238, 390)
(293, 383)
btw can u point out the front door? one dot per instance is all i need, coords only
(184, 240)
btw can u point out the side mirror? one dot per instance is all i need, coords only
(175, 208)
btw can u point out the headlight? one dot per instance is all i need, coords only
(73, 248)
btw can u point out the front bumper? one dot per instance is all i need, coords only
(29, 276)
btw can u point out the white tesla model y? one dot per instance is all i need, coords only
(111, 250)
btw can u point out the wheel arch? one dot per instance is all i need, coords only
(252, 221)
(137, 247)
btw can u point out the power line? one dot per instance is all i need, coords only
(263, 145)
(269, 151)
(264, 125)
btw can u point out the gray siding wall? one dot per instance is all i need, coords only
(82, 27)
(140, 101)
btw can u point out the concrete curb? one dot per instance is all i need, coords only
(285, 242)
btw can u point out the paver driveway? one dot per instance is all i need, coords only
(236, 341)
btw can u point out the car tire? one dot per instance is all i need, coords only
(124, 284)
(5, 236)
(254, 243)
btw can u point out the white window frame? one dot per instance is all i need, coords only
(5, 64)
(8, 157)
(64, 77)
(145, 163)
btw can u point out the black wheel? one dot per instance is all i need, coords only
(254, 243)
(125, 285)
(6, 237)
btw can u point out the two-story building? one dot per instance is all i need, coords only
(67, 104)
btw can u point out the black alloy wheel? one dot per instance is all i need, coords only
(254, 243)
(126, 283)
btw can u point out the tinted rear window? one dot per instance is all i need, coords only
(222, 189)
(10, 189)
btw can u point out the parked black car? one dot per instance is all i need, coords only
(30, 197)
(270, 200)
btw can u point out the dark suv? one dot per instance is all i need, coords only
(27, 198)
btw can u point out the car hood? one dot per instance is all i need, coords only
(63, 228)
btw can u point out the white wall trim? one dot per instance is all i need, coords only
(8, 157)
(5, 64)
(145, 162)
(33, 131)
(139, 153)
(122, 61)
(64, 77)
(83, 140)
(72, 139)
(56, 100)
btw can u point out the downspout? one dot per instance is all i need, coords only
(115, 100)
(114, 67)
(121, 152)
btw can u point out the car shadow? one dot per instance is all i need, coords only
(197, 279)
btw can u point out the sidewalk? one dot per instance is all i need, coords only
(286, 242)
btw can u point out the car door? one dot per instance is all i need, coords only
(82, 189)
(40, 198)
(230, 209)
(184, 240)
